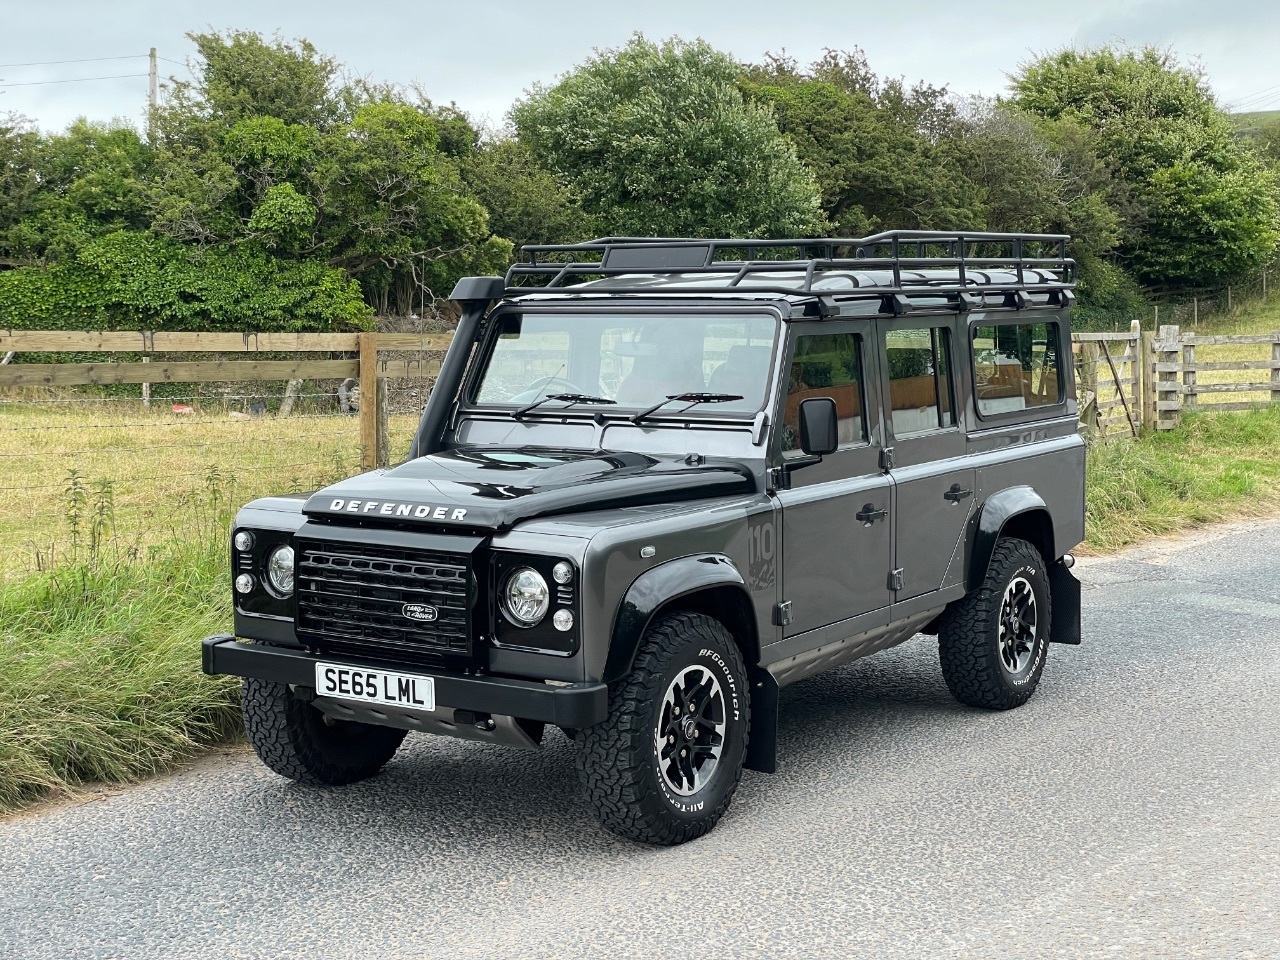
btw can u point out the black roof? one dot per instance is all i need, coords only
(961, 269)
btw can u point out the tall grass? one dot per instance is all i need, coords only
(100, 668)
(1216, 466)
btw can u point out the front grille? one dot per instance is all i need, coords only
(351, 599)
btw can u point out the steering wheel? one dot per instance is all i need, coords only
(540, 388)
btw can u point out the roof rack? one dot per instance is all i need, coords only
(972, 256)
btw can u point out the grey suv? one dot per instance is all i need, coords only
(658, 480)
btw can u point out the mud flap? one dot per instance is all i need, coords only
(762, 747)
(1065, 589)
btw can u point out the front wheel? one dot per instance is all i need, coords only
(297, 741)
(993, 643)
(663, 767)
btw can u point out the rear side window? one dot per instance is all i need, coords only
(1016, 367)
(919, 379)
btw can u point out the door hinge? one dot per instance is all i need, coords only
(895, 579)
(886, 458)
(782, 613)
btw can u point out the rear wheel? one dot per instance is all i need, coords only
(663, 767)
(993, 643)
(297, 741)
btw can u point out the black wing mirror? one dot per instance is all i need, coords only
(818, 433)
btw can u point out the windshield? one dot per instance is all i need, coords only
(630, 362)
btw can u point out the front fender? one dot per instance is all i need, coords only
(996, 512)
(652, 590)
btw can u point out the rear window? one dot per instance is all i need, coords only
(1016, 367)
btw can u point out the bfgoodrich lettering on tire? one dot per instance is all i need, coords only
(663, 767)
(993, 643)
(297, 741)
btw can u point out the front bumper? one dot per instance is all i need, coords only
(575, 706)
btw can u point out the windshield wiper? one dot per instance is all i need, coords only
(689, 398)
(569, 398)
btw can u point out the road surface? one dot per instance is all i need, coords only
(1132, 809)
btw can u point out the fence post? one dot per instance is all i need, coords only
(1135, 371)
(146, 390)
(1190, 397)
(1195, 311)
(382, 454)
(1149, 381)
(1168, 390)
(368, 401)
(1275, 367)
(1228, 298)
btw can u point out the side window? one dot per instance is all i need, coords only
(1016, 367)
(921, 396)
(826, 365)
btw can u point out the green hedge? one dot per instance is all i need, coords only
(132, 280)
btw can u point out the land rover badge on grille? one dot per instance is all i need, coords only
(420, 611)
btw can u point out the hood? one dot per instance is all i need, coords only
(493, 489)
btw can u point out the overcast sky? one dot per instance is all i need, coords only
(482, 54)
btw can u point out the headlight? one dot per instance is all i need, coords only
(525, 598)
(280, 570)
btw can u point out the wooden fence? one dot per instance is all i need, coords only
(1110, 378)
(367, 361)
(1126, 381)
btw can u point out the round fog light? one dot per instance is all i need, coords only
(280, 570)
(244, 540)
(562, 572)
(244, 583)
(562, 619)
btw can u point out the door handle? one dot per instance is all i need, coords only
(957, 493)
(869, 514)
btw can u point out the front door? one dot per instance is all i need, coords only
(933, 480)
(836, 542)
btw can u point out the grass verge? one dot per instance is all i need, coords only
(100, 670)
(1218, 466)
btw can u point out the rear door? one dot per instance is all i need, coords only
(933, 479)
(835, 563)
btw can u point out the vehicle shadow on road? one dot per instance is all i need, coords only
(445, 796)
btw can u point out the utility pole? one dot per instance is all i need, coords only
(152, 89)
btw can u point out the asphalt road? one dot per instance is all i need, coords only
(1132, 809)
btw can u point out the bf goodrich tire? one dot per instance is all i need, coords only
(297, 741)
(663, 767)
(993, 643)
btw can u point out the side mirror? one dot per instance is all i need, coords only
(818, 433)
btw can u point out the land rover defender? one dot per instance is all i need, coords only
(656, 481)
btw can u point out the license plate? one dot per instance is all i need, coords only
(412, 691)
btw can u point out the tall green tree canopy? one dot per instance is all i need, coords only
(658, 139)
(880, 151)
(1209, 203)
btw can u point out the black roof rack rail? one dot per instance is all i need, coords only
(970, 253)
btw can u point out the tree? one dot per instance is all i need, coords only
(268, 146)
(526, 202)
(65, 189)
(879, 150)
(19, 182)
(1210, 204)
(657, 139)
